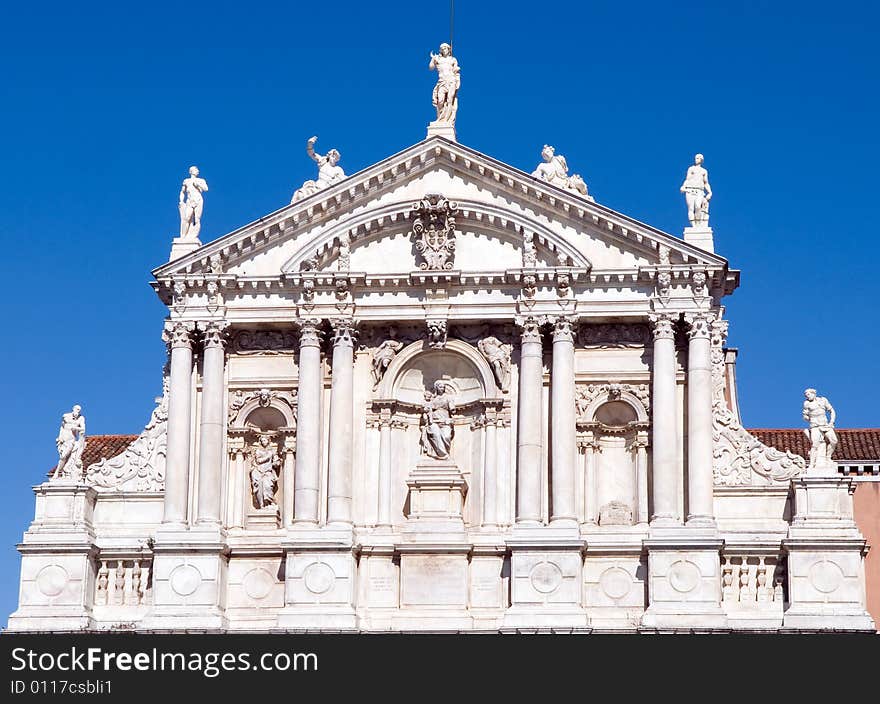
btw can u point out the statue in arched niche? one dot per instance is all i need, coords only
(437, 431)
(264, 475)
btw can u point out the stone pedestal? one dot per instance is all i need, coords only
(181, 246)
(57, 560)
(826, 555)
(615, 571)
(189, 580)
(441, 129)
(546, 581)
(684, 579)
(436, 500)
(700, 237)
(320, 569)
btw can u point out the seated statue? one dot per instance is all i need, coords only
(554, 170)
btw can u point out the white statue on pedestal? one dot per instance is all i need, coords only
(328, 171)
(71, 442)
(823, 439)
(445, 95)
(554, 170)
(697, 193)
(264, 475)
(436, 440)
(191, 208)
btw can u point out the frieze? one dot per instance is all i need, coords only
(263, 342)
(614, 335)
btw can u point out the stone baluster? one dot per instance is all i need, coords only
(699, 414)
(211, 428)
(341, 423)
(178, 336)
(102, 590)
(564, 429)
(663, 441)
(308, 441)
(135, 597)
(531, 381)
(119, 583)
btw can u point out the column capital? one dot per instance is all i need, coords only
(699, 324)
(563, 328)
(719, 329)
(178, 333)
(530, 327)
(309, 332)
(214, 332)
(662, 326)
(344, 331)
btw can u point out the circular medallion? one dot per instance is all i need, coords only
(684, 576)
(545, 577)
(52, 579)
(318, 578)
(258, 583)
(615, 582)
(825, 576)
(185, 579)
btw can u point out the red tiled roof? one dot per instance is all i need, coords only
(99, 447)
(855, 444)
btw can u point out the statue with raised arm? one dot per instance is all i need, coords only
(445, 95)
(264, 475)
(436, 430)
(823, 439)
(697, 193)
(554, 170)
(329, 172)
(191, 204)
(71, 442)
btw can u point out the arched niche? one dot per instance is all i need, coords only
(264, 409)
(417, 366)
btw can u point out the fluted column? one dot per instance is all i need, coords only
(341, 422)
(531, 380)
(663, 442)
(308, 438)
(178, 336)
(211, 424)
(563, 432)
(699, 395)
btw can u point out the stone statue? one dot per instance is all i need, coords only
(264, 475)
(71, 442)
(445, 95)
(436, 440)
(823, 439)
(497, 354)
(697, 193)
(328, 171)
(554, 170)
(191, 208)
(343, 263)
(384, 354)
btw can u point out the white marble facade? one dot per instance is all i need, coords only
(442, 394)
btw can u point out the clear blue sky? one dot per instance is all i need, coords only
(105, 105)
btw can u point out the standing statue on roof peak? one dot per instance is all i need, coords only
(329, 172)
(697, 193)
(192, 207)
(445, 95)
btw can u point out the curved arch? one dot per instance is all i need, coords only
(388, 387)
(490, 217)
(281, 401)
(623, 395)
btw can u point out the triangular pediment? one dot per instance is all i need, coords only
(498, 205)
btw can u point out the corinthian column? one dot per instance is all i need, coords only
(177, 335)
(699, 396)
(564, 430)
(531, 379)
(341, 422)
(211, 427)
(308, 427)
(663, 442)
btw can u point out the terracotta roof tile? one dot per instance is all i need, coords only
(99, 447)
(855, 444)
